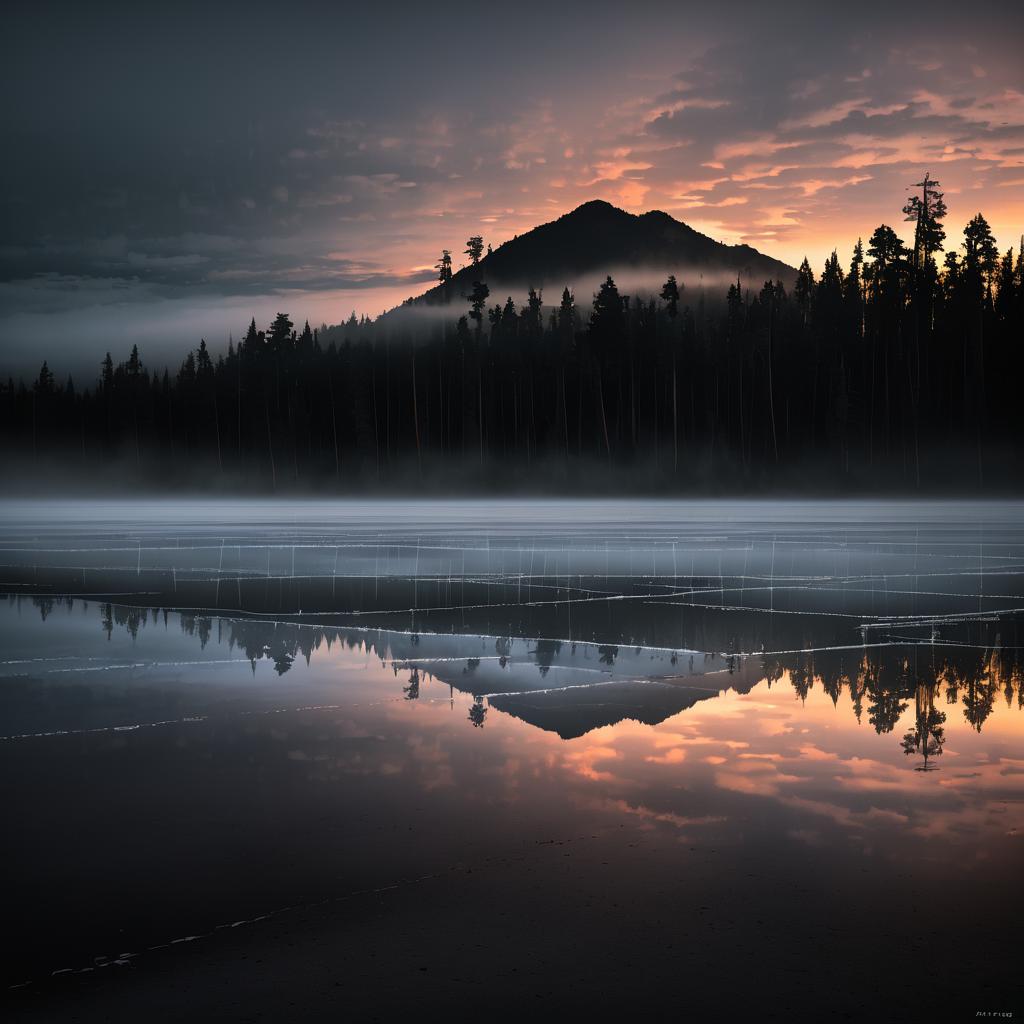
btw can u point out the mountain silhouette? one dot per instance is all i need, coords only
(574, 711)
(597, 238)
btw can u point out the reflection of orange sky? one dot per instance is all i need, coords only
(814, 756)
(811, 759)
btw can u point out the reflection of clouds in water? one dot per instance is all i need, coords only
(591, 761)
(798, 757)
(832, 779)
(675, 755)
(431, 762)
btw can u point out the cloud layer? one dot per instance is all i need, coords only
(236, 161)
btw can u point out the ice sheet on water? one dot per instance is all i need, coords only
(730, 577)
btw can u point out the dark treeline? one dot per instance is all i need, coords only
(880, 683)
(888, 370)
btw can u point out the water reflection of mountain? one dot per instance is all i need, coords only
(564, 687)
(569, 688)
(572, 687)
(578, 710)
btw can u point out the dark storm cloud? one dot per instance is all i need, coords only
(196, 262)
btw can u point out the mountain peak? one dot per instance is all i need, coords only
(660, 215)
(599, 206)
(597, 238)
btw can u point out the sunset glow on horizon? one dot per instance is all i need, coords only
(333, 184)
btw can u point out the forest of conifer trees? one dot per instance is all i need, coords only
(890, 370)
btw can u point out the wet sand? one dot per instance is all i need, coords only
(557, 928)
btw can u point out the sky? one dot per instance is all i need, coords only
(169, 174)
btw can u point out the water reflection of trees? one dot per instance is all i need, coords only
(883, 681)
(412, 691)
(880, 682)
(928, 735)
(478, 712)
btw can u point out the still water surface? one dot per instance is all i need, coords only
(732, 727)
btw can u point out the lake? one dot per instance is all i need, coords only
(292, 760)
